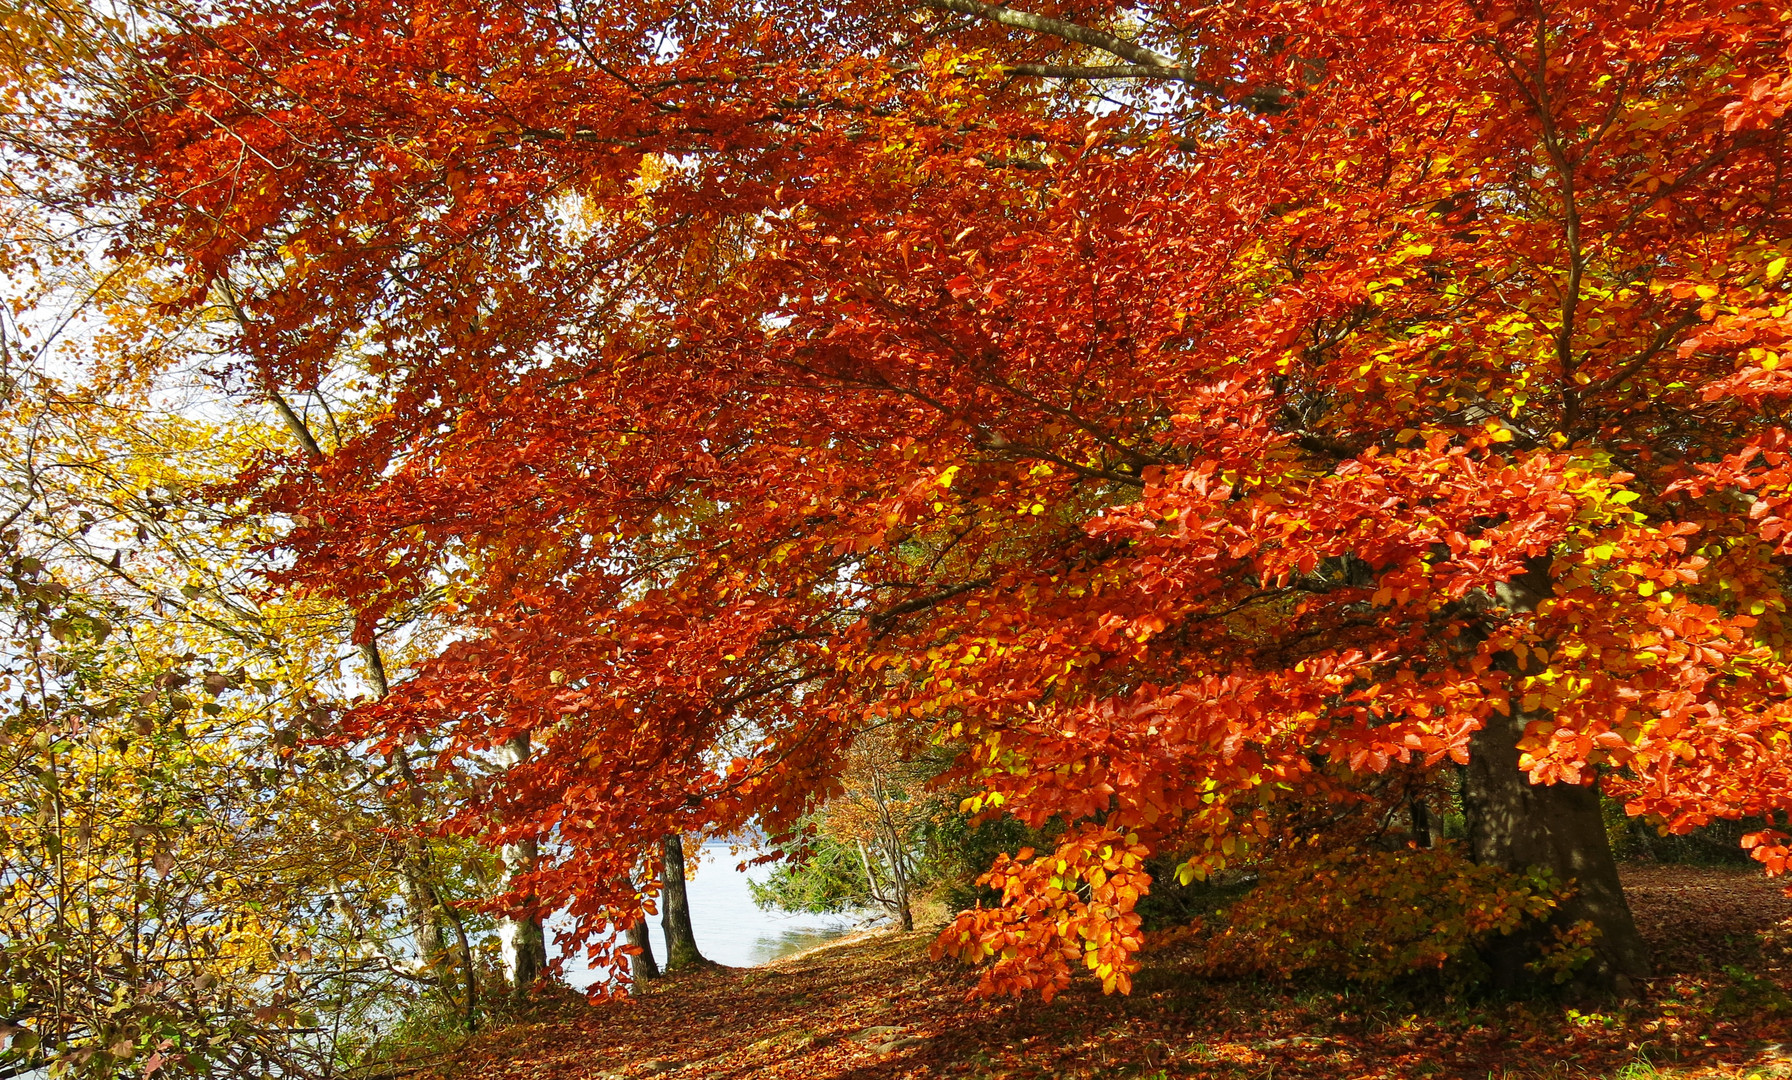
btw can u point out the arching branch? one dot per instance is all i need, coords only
(1145, 63)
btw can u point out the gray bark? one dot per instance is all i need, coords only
(895, 900)
(521, 942)
(1513, 823)
(421, 904)
(899, 875)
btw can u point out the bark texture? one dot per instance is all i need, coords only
(421, 905)
(642, 966)
(521, 941)
(681, 941)
(1515, 824)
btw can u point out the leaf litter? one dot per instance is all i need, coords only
(876, 1008)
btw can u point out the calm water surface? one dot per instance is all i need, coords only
(730, 928)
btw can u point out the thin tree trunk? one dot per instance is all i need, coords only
(469, 981)
(681, 942)
(421, 903)
(899, 876)
(872, 887)
(1515, 824)
(1421, 820)
(521, 941)
(419, 895)
(641, 965)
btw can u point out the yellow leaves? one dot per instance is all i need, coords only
(1776, 270)
(1378, 289)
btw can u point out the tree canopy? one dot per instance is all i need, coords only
(1186, 413)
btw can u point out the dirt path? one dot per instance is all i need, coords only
(878, 1008)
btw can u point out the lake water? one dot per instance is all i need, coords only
(729, 927)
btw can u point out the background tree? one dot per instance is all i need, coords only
(872, 841)
(198, 882)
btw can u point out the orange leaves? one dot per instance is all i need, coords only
(1161, 477)
(1069, 910)
(1766, 99)
(1769, 848)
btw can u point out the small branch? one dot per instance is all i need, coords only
(1144, 63)
(1112, 71)
(922, 603)
(294, 423)
(1664, 337)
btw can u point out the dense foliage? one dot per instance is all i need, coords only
(1189, 436)
(1379, 916)
(1174, 409)
(192, 881)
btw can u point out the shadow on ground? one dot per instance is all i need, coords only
(877, 1008)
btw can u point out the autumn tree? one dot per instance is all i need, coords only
(195, 873)
(868, 843)
(1183, 410)
(190, 884)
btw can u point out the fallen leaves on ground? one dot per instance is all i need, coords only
(877, 1009)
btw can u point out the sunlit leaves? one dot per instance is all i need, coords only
(1177, 460)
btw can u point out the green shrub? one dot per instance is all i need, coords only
(1375, 916)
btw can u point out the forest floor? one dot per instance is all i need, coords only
(876, 1008)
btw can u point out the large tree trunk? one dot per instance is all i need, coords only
(521, 942)
(681, 942)
(1515, 824)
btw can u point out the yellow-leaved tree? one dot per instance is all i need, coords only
(195, 877)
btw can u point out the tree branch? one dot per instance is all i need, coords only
(1108, 71)
(922, 603)
(1145, 63)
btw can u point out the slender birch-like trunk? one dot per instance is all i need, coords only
(521, 942)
